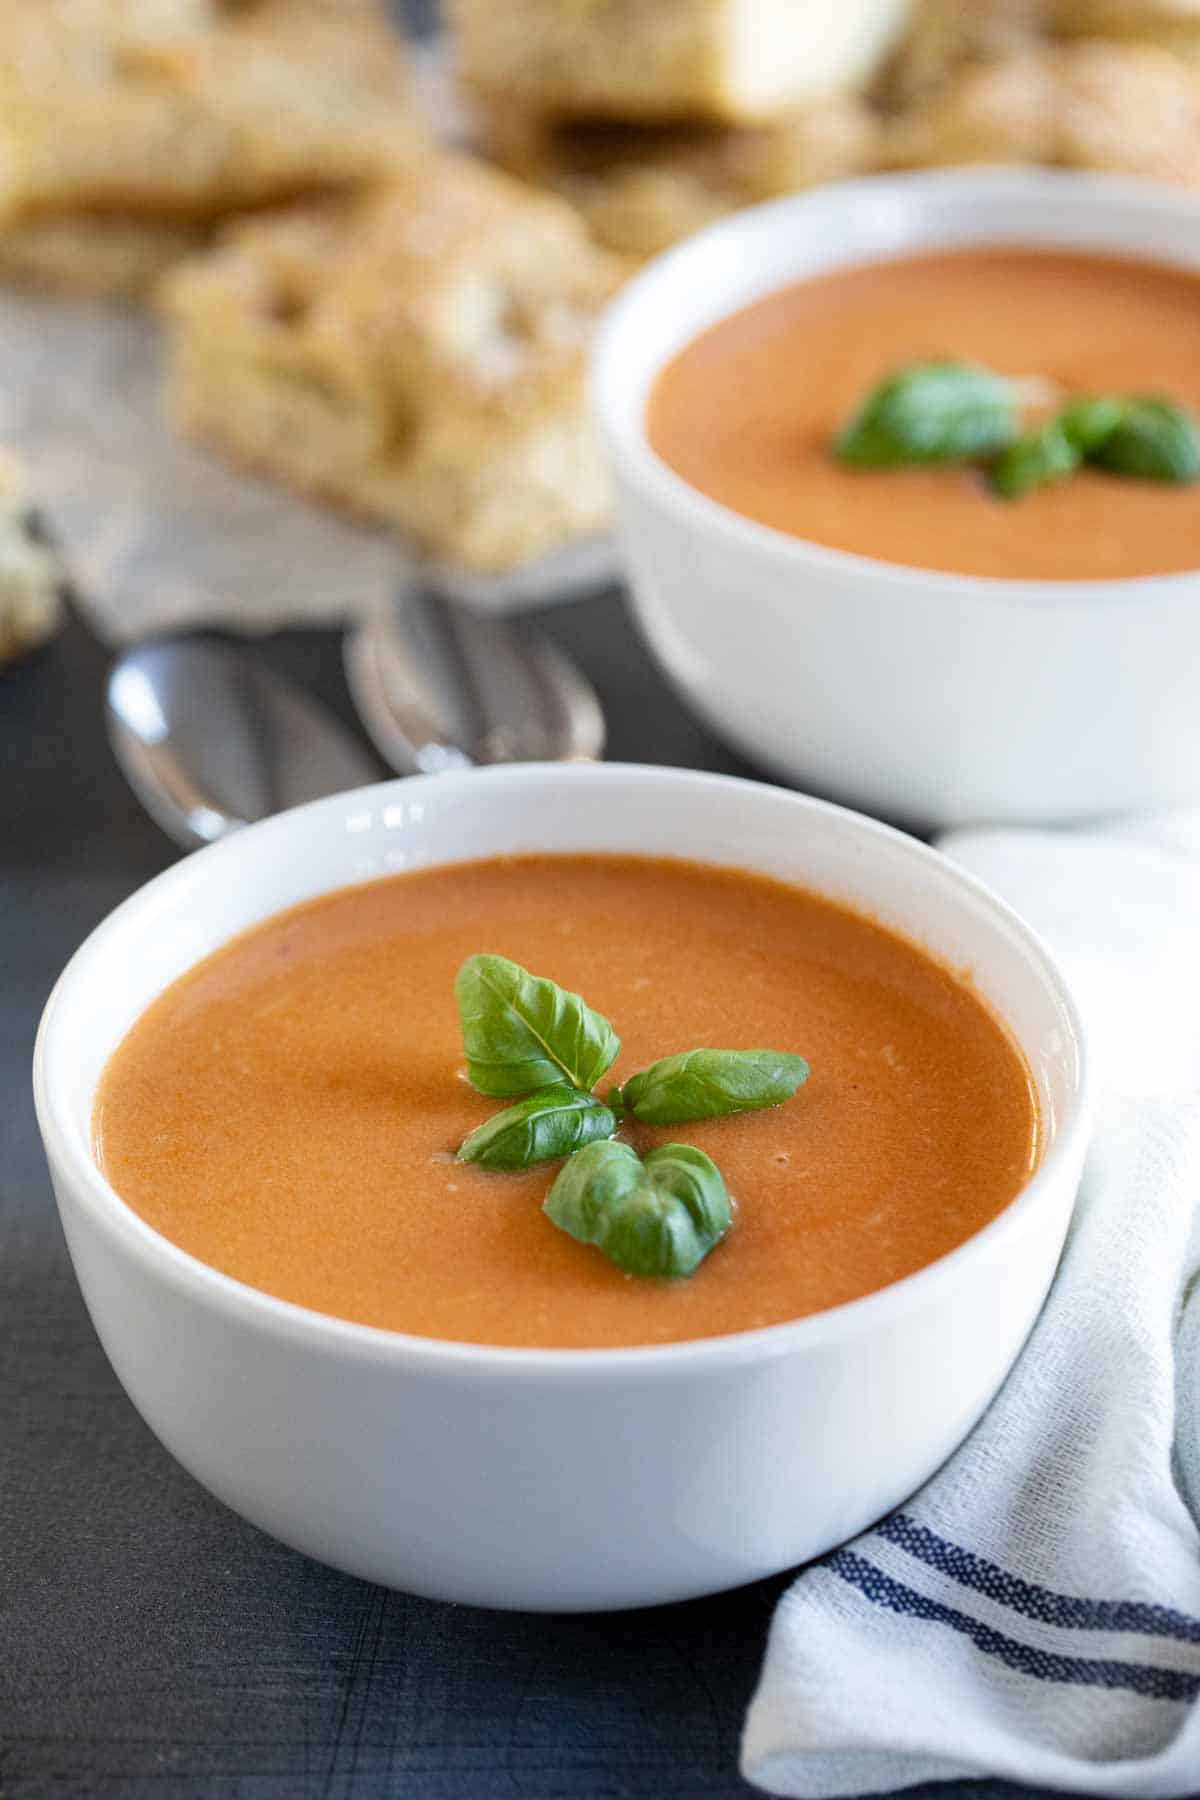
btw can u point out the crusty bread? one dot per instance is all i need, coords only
(418, 354)
(278, 99)
(634, 60)
(1167, 24)
(1128, 108)
(46, 42)
(943, 36)
(643, 189)
(1122, 18)
(109, 259)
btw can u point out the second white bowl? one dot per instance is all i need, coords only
(930, 698)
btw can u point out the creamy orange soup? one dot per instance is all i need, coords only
(748, 411)
(288, 1111)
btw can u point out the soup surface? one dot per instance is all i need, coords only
(288, 1110)
(748, 411)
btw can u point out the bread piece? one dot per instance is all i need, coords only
(46, 42)
(944, 36)
(419, 355)
(998, 112)
(1124, 108)
(1172, 25)
(98, 259)
(279, 99)
(731, 60)
(1122, 18)
(641, 190)
(31, 576)
(43, 39)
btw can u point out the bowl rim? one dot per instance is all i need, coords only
(167, 1263)
(624, 431)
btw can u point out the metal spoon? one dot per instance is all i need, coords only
(210, 740)
(439, 685)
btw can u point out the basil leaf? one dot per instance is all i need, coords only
(540, 1128)
(1154, 441)
(1089, 423)
(939, 412)
(521, 1033)
(705, 1084)
(1041, 456)
(660, 1217)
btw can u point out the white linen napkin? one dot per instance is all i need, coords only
(1034, 1611)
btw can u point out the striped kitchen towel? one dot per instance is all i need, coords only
(1034, 1611)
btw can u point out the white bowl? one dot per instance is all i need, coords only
(555, 1479)
(933, 698)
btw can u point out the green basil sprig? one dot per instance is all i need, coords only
(947, 412)
(938, 412)
(540, 1128)
(521, 1033)
(1090, 421)
(1037, 457)
(1154, 440)
(524, 1035)
(658, 1216)
(705, 1084)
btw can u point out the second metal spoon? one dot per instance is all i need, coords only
(440, 685)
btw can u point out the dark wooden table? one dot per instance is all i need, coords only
(150, 1642)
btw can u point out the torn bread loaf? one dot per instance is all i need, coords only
(281, 99)
(129, 127)
(47, 41)
(96, 259)
(642, 189)
(1127, 108)
(419, 355)
(731, 60)
(1166, 24)
(31, 576)
(944, 36)
(1122, 18)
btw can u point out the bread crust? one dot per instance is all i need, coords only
(1083, 105)
(947, 38)
(642, 190)
(1122, 18)
(418, 355)
(98, 259)
(944, 36)
(277, 99)
(731, 61)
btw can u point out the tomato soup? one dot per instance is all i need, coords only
(747, 413)
(289, 1110)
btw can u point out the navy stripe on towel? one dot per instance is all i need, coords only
(1042, 1665)
(1026, 1597)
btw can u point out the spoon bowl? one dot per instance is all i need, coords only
(441, 686)
(210, 740)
